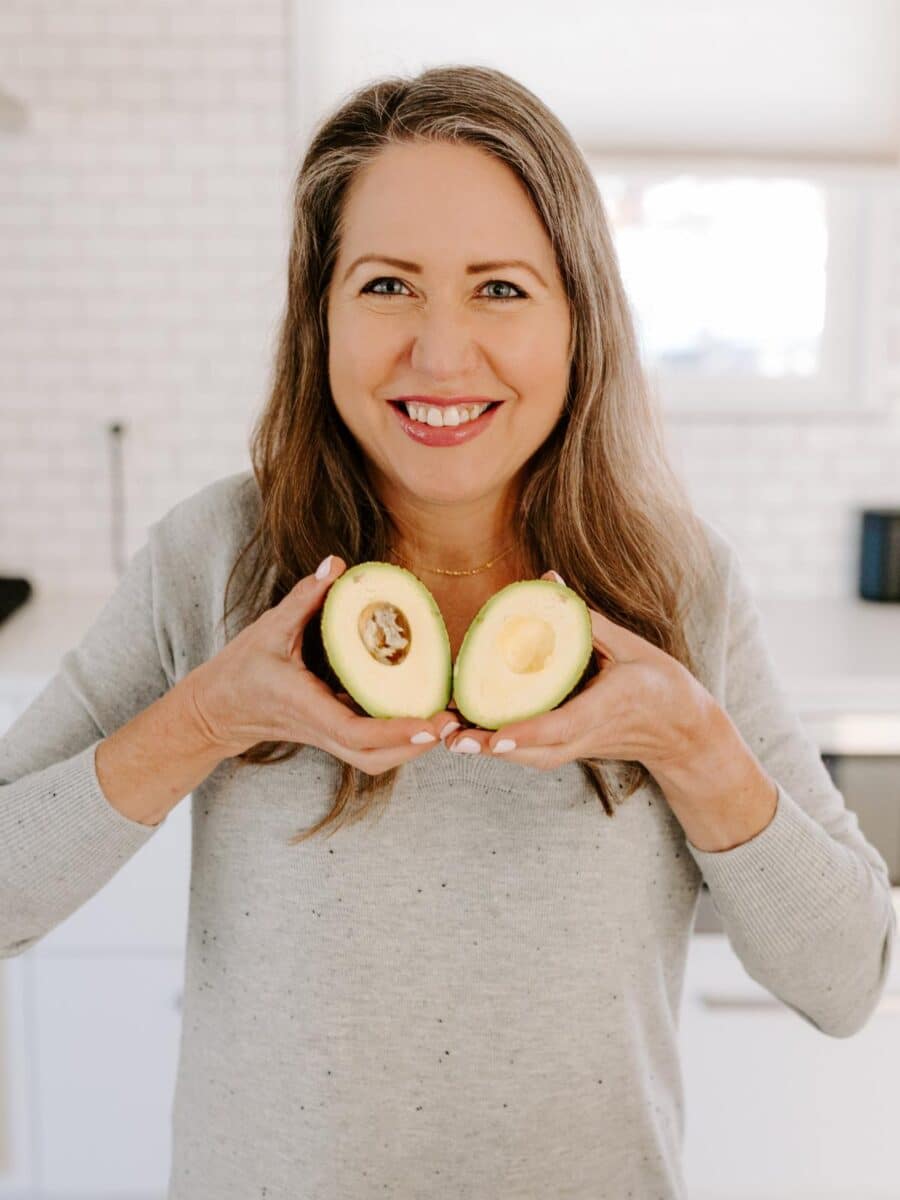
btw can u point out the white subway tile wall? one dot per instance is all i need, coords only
(143, 241)
(143, 236)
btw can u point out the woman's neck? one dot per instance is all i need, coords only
(443, 569)
(467, 537)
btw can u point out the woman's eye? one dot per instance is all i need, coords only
(370, 288)
(503, 283)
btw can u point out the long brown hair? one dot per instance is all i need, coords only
(600, 500)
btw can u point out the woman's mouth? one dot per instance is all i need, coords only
(464, 421)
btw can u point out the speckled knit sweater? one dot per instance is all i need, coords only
(476, 995)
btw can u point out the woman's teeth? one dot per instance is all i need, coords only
(456, 414)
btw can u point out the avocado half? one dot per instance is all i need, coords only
(385, 638)
(524, 652)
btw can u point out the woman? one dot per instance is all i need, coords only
(478, 993)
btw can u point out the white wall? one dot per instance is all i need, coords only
(142, 231)
(143, 234)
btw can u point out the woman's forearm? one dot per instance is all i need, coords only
(157, 758)
(721, 794)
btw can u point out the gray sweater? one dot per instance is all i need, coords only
(476, 995)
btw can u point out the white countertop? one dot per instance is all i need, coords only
(51, 621)
(839, 658)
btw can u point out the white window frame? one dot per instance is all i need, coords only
(851, 381)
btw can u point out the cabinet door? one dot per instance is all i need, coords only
(16, 1083)
(106, 1050)
(16, 1017)
(775, 1109)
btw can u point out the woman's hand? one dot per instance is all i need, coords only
(258, 689)
(643, 706)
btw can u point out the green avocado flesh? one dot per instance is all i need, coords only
(386, 640)
(524, 652)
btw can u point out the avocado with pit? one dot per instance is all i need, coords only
(524, 652)
(385, 638)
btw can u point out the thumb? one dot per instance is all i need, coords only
(305, 597)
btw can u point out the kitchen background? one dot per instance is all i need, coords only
(146, 156)
(143, 225)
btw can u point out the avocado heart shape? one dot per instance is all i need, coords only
(385, 638)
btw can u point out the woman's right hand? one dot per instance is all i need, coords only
(258, 689)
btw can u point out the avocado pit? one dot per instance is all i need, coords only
(384, 631)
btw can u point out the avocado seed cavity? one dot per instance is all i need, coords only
(384, 631)
(525, 644)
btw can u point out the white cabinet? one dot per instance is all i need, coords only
(107, 1052)
(775, 1109)
(17, 1149)
(90, 1022)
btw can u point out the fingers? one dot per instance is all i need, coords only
(374, 759)
(333, 716)
(292, 613)
(474, 734)
(379, 733)
(338, 715)
(374, 762)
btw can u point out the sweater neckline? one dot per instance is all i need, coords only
(444, 767)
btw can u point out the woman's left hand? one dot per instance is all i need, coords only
(643, 706)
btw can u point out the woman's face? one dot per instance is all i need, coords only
(433, 327)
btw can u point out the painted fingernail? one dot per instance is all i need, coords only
(324, 567)
(422, 737)
(448, 728)
(558, 577)
(503, 745)
(466, 745)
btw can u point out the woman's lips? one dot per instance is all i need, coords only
(442, 435)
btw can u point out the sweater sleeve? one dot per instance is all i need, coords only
(60, 838)
(806, 903)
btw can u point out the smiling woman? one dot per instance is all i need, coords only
(450, 327)
(450, 250)
(478, 992)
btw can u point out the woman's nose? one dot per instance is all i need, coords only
(444, 343)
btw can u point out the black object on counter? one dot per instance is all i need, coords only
(14, 591)
(879, 561)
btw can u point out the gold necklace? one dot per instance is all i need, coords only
(440, 571)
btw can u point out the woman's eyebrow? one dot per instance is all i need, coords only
(471, 269)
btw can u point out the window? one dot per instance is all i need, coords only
(749, 289)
